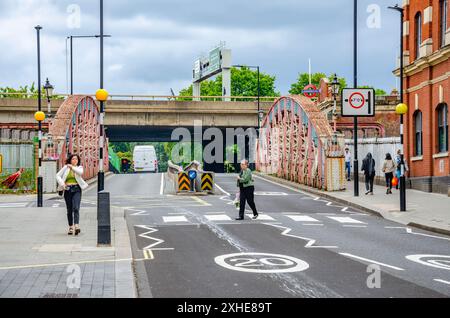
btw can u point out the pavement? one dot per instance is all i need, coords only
(429, 211)
(39, 260)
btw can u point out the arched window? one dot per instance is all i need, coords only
(418, 133)
(418, 33)
(443, 6)
(442, 124)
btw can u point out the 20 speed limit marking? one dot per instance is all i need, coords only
(261, 263)
(357, 102)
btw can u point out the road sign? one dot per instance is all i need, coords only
(310, 91)
(358, 102)
(192, 174)
(183, 182)
(207, 181)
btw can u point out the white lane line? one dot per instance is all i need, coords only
(290, 213)
(441, 281)
(344, 209)
(310, 242)
(326, 213)
(223, 191)
(263, 217)
(312, 224)
(345, 219)
(410, 231)
(138, 212)
(161, 189)
(371, 261)
(349, 225)
(302, 218)
(220, 217)
(284, 186)
(180, 218)
(13, 205)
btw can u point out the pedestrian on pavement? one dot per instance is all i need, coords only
(368, 167)
(70, 180)
(398, 160)
(348, 162)
(389, 167)
(246, 190)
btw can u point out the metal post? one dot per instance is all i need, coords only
(402, 162)
(71, 65)
(39, 178)
(355, 85)
(259, 109)
(101, 174)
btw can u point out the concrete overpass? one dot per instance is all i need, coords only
(149, 113)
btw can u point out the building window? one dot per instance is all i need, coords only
(418, 33)
(442, 117)
(418, 133)
(443, 5)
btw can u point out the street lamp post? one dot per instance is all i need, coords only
(39, 116)
(259, 93)
(49, 93)
(334, 91)
(71, 37)
(401, 109)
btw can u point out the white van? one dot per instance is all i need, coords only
(144, 159)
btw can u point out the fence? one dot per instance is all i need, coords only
(378, 147)
(18, 167)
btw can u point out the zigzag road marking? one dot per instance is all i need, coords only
(310, 242)
(146, 236)
(410, 231)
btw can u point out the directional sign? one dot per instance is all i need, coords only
(192, 174)
(358, 102)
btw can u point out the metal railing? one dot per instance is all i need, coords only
(151, 97)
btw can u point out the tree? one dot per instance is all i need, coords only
(244, 82)
(378, 91)
(303, 80)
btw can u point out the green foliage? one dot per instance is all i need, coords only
(244, 82)
(23, 92)
(303, 80)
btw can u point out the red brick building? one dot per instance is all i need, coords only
(426, 55)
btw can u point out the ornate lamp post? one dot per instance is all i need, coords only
(335, 85)
(49, 93)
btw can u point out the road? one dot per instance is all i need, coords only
(300, 246)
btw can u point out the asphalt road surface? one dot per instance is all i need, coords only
(300, 246)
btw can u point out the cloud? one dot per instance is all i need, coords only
(154, 43)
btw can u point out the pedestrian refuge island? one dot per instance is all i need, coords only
(192, 179)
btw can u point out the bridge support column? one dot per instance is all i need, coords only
(196, 90)
(226, 74)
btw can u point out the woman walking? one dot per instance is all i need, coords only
(246, 190)
(389, 167)
(368, 167)
(70, 181)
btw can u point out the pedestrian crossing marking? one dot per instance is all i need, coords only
(302, 218)
(345, 219)
(262, 217)
(178, 218)
(220, 217)
(14, 205)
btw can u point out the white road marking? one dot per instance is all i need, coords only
(138, 212)
(326, 213)
(437, 261)
(371, 261)
(270, 193)
(145, 235)
(307, 224)
(14, 205)
(161, 190)
(56, 205)
(223, 191)
(344, 209)
(302, 218)
(345, 219)
(220, 217)
(349, 225)
(284, 186)
(263, 217)
(410, 231)
(310, 242)
(441, 281)
(180, 218)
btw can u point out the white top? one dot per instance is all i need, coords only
(61, 177)
(348, 157)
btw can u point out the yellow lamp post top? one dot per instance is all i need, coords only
(101, 95)
(39, 116)
(401, 109)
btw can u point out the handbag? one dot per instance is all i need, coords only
(60, 193)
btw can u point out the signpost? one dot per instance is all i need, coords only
(310, 91)
(192, 176)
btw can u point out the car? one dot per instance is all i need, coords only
(144, 159)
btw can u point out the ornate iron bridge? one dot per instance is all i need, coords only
(297, 143)
(75, 130)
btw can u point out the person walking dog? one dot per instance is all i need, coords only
(246, 190)
(389, 167)
(368, 167)
(70, 181)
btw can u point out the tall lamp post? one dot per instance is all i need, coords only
(401, 109)
(39, 116)
(259, 93)
(335, 85)
(49, 93)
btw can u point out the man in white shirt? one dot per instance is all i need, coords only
(348, 162)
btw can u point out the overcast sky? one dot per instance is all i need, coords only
(155, 42)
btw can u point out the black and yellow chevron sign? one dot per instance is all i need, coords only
(207, 182)
(184, 184)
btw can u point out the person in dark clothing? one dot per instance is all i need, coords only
(389, 167)
(368, 167)
(246, 190)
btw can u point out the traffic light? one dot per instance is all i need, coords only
(125, 164)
